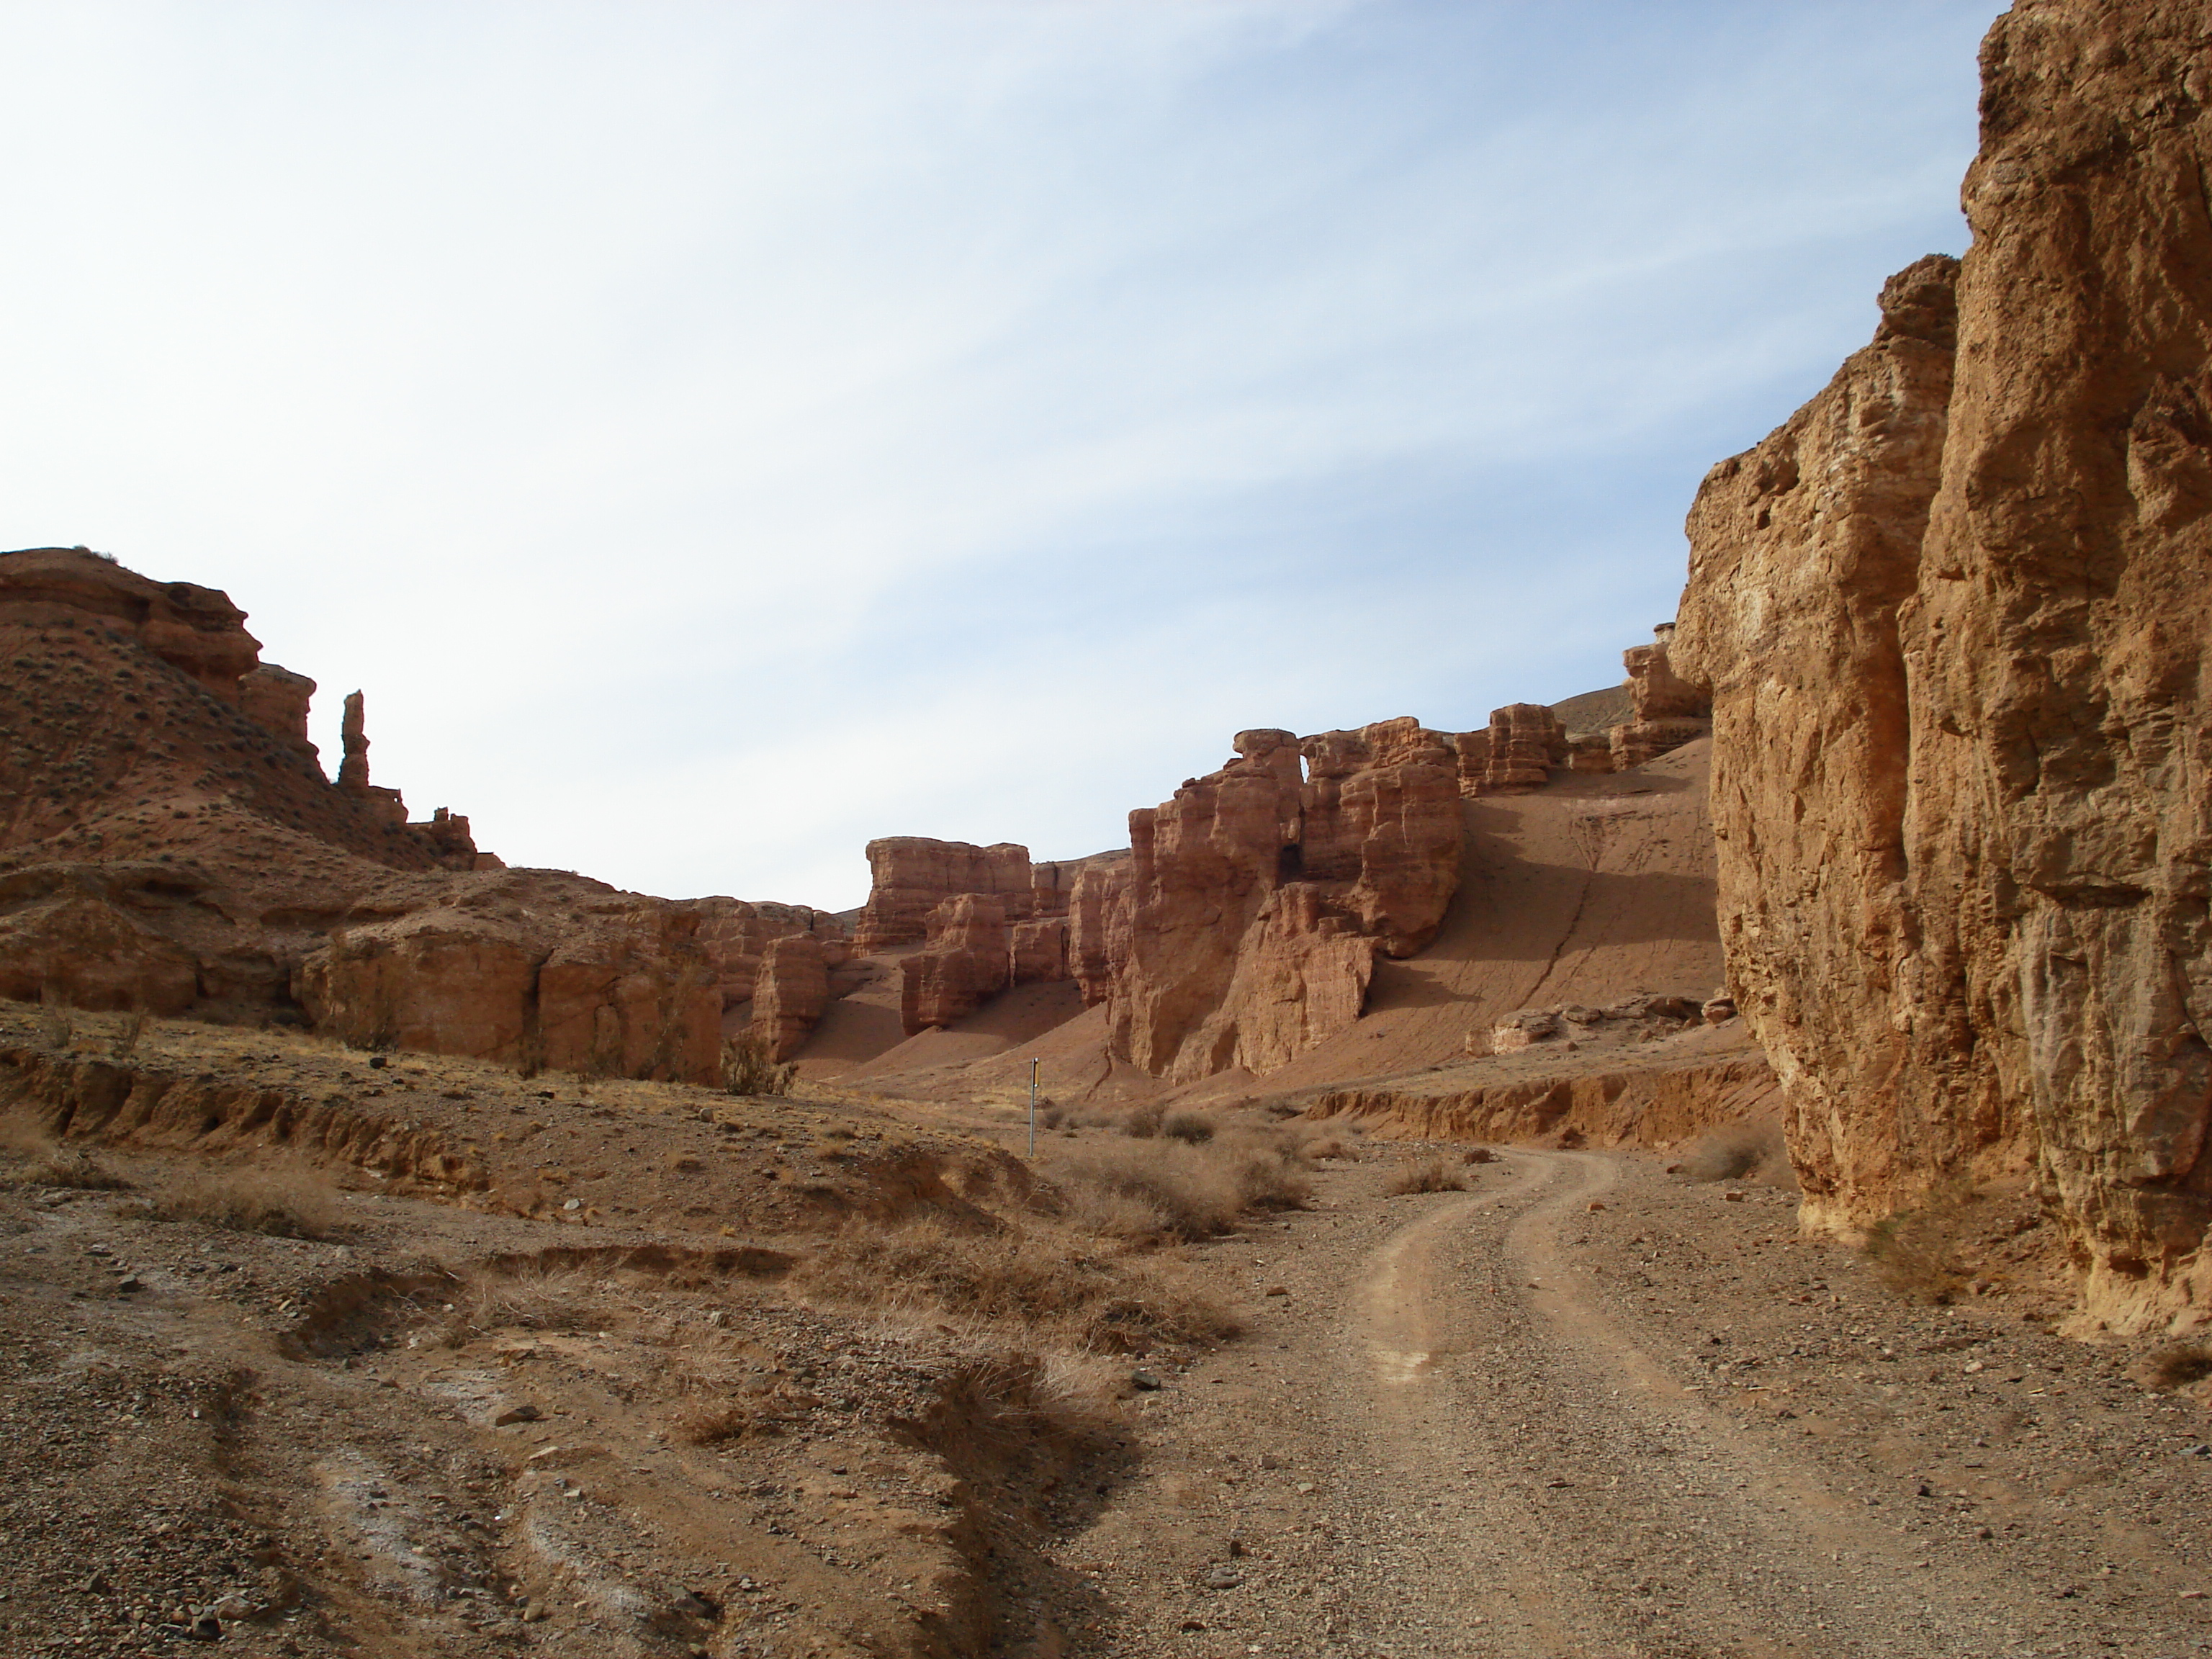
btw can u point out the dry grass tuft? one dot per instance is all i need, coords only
(1741, 1152)
(719, 1422)
(1166, 1188)
(1193, 1128)
(1322, 1145)
(1432, 1175)
(2173, 1367)
(1144, 1121)
(38, 1160)
(1038, 1285)
(281, 1202)
(1915, 1253)
(747, 1069)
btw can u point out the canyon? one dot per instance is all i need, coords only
(749, 1278)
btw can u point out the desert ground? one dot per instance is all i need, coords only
(581, 1367)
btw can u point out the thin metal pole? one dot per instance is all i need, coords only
(1033, 1071)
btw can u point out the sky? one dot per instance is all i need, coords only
(715, 434)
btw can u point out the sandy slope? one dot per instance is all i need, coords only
(1583, 892)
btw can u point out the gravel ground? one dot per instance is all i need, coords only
(1589, 1408)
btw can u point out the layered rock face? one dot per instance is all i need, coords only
(912, 875)
(168, 841)
(1525, 741)
(1256, 900)
(737, 935)
(790, 992)
(1670, 711)
(967, 959)
(1951, 616)
(535, 970)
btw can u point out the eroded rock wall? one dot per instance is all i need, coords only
(912, 875)
(1258, 897)
(1953, 615)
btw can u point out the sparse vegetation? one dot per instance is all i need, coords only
(1193, 1128)
(1174, 1188)
(34, 1159)
(1915, 1253)
(282, 1202)
(1144, 1121)
(57, 1030)
(1741, 1152)
(748, 1070)
(1430, 1175)
(1039, 1285)
(2173, 1367)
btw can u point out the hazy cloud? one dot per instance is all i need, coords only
(715, 435)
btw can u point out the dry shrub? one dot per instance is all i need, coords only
(1194, 1128)
(2173, 1367)
(128, 1034)
(1323, 1145)
(748, 1070)
(1167, 1188)
(39, 1161)
(1035, 1285)
(1479, 1155)
(554, 1300)
(56, 1029)
(1430, 1175)
(1739, 1152)
(1915, 1253)
(715, 1423)
(1144, 1121)
(283, 1203)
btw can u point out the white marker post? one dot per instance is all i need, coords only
(1033, 1064)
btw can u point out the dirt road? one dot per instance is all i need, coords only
(1521, 1420)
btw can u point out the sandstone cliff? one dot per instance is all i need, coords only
(168, 841)
(1952, 617)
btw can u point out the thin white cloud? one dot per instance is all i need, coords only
(716, 435)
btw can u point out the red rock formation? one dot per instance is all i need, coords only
(912, 875)
(736, 934)
(195, 630)
(527, 969)
(1039, 951)
(1098, 939)
(1472, 751)
(965, 961)
(1669, 710)
(791, 993)
(1526, 741)
(1257, 901)
(1951, 616)
(278, 699)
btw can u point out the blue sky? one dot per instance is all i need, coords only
(715, 434)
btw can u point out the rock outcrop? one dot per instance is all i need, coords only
(1670, 711)
(912, 875)
(1525, 741)
(1257, 899)
(790, 992)
(966, 959)
(1951, 616)
(534, 969)
(169, 842)
(736, 934)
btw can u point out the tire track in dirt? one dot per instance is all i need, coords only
(1448, 1442)
(1764, 1557)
